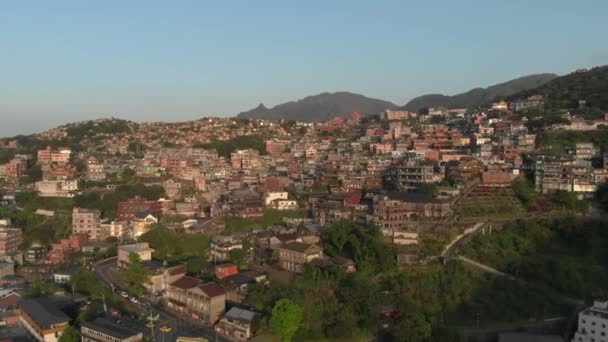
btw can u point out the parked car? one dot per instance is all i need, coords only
(124, 294)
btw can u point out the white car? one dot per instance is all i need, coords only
(133, 300)
(124, 294)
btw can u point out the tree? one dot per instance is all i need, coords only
(70, 334)
(86, 281)
(237, 256)
(136, 275)
(363, 245)
(601, 196)
(413, 328)
(286, 319)
(524, 190)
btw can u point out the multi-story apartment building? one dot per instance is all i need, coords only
(294, 255)
(593, 324)
(96, 171)
(16, 167)
(244, 159)
(410, 175)
(553, 174)
(397, 114)
(35, 255)
(10, 239)
(49, 155)
(204, 302)
(88, 221)
(582, 150)
(221, 247)
(103, 330)
(275, 148)
(533, 101)
(396, 210)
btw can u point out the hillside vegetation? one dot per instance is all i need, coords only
(565, 92)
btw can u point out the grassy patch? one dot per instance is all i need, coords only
(241, 225)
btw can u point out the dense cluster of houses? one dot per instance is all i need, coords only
(396, 171)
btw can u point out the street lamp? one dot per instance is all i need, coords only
(165, 330)
(150, 325)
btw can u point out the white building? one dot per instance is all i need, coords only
(271, 196)
(593, 324)
(60, 188)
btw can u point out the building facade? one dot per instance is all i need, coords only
(593, 324)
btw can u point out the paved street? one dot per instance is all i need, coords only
(180, 326)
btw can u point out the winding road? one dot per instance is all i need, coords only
(180, 326)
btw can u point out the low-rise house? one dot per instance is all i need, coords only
(142, 249)
(293, 256)
(64, 276)
(59, 188)
(236, 285)
(335, 263)
(225, 270)
(103, 330)
(42, 319)
(239, 324)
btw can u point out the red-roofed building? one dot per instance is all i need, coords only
(61, 251)
(225, 270)
(188, 296)
(128, 210)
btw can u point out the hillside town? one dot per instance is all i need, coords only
(122, 231)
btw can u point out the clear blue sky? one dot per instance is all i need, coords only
(63, 61)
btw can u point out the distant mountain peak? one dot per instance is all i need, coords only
(320, 107)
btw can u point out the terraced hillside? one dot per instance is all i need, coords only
(489, 202)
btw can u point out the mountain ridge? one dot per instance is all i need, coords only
(479, 96)
(320, 107)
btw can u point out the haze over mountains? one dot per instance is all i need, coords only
(329, 105)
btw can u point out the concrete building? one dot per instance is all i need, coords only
(221, 247)
(409, 176)
(88, 221)
(239, 324)
(294, 255)
(202, 302)
(57, 188)
(103, 330)
(563, 174)
(10, 239)
(142, 249)
(42, 320)
(593, 324)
